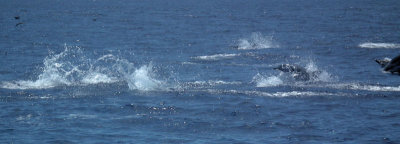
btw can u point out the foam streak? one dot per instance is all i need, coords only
(379, 45)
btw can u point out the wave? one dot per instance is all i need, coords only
(71, 67)
(379, 45)
(256, 41)
(216, 57)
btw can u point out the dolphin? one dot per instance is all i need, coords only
(298, 72)
(392, 66)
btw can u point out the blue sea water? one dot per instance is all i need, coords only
(102, 71)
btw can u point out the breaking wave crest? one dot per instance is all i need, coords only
(379, 45)
(256, 41)
(71, 67)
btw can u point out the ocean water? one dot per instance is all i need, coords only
(102, 71)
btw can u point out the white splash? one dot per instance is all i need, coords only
(216, 57)
(143, 79)
(283, 78)
(71, 67)
(256, 41)
(270, 81)
(95, 78)
(317, 74)
(55, 72)
(379, 45)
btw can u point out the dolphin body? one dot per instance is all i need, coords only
(298, 72)
(392, 66)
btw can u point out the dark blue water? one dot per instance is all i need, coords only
(198, 71)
